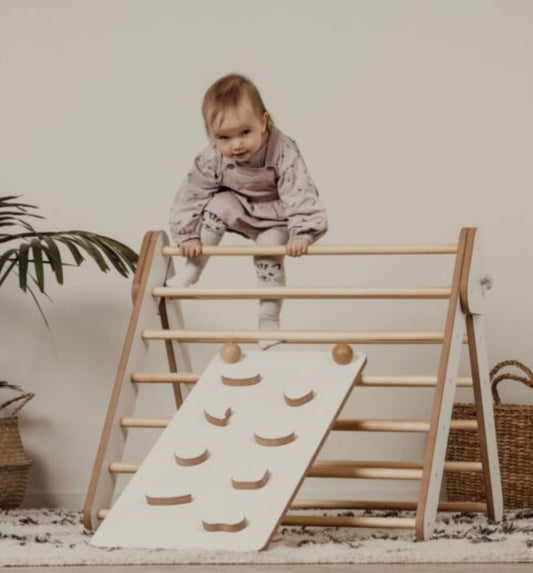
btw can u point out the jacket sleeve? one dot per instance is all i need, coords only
(307, 217)
(201, 183)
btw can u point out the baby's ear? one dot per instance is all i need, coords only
(265, 121)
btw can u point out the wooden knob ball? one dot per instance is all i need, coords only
(230, 353)
(342, 353)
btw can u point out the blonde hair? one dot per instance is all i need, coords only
(228, 92)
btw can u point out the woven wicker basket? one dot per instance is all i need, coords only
(514, 434)
(14, 463)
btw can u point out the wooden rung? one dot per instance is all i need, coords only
(381, 470)
(123, 468)
(370, 381)
(463, 467)
(297, 336)
(343, 521)
(131, 422)
(341, 425)
(348, 504)
(342, 468)
(347, 425)
(450, 249)
(165, 377)
(406, 293)
(368, 470)
(449, 506)
(407, 381)
(464, 425)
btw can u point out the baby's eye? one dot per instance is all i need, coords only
(222, 137)
(246, 132)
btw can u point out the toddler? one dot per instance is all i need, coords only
(250, 180)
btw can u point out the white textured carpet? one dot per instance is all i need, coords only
(56, 537)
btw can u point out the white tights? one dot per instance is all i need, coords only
(270, 270)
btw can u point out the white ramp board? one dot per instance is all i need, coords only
(225, 470)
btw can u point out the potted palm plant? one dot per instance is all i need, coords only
(31, 255)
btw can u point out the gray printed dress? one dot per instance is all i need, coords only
(273, 189)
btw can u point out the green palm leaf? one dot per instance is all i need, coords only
(74, 251)
(4, 384)
(38, 251)
(54, 258)
(10, 257)
(38, 262)
(23, 265)
(90, 249)
(14, 213)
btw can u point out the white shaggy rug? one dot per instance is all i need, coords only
(57, 537)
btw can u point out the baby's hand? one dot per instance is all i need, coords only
(191, 248)
(297, 247)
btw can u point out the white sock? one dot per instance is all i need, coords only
(270, 272)
(211, 233)
(269, 321)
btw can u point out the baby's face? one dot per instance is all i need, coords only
(239, 132)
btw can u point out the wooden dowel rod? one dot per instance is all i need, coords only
(343, 468)
(386, 464)
(165, 377)
(366, 463)
(370, 381)
(373, 504)
(450, 249)
(464, 425)
(123, 467)
(355, 521)
(131, 422)
(407, 381)
(364, 472)
(408, 293)
(473, 506)
(463, 467)
(381, 425)
(449, 506)
(341, 425)
(381, 469)
(351, 504)
(296, 336)
(397, 425)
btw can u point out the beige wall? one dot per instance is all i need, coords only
(414, 117)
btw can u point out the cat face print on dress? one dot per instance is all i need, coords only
(238, 133)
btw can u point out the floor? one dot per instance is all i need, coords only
(474, 568)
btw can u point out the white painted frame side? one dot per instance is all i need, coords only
(485, 416)
(473, 291)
